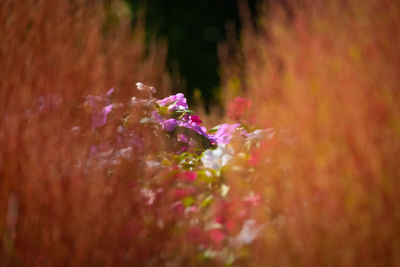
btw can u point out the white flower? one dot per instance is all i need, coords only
(140, 86)
(217, 158)
(250, 230)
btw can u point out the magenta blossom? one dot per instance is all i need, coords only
(198, 129)
(157, 117)
(174, 102)
(192, 122)
(99, 100)
(194, 119)
(102, 107)
(224, 133)
(170, 125)
(187, 176)
(109, 92)
(100, 119)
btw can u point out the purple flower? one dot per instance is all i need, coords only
(174, 102)
(100, 119)
(95, 100)
(170, 124)
(157, 117)
(101, 106)
(109, 92)
(192, 122)
(224, 133)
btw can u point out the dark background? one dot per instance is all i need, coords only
(192, 30)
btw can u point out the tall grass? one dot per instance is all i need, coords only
(323, 191)
(56, 208)
(326, 76)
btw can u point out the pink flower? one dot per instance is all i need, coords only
(157, 117)
(100, 119)
(109, 92)
(252, 199)
(217, 235)
(255, 157)
(197, 235)
(224, 133)
(191, 209)
(194, 119)
(177, 207)
(238, 107)
(174, 102)
(183, 192)
(97, 103)
(170, 125)
(193, 126)
(188, 176)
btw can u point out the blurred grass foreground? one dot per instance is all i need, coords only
(322, 78)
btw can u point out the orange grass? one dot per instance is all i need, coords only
(53, 210)
(326, 76)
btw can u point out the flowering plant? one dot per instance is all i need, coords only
(188, 173)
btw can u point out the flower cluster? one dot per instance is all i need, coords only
(174, 115)
(197, 163)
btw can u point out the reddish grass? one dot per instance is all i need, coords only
(54, 211)
(326, 77)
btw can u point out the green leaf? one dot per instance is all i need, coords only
(213, 130)
(188, 201)
(207, 176)
(206, 202)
